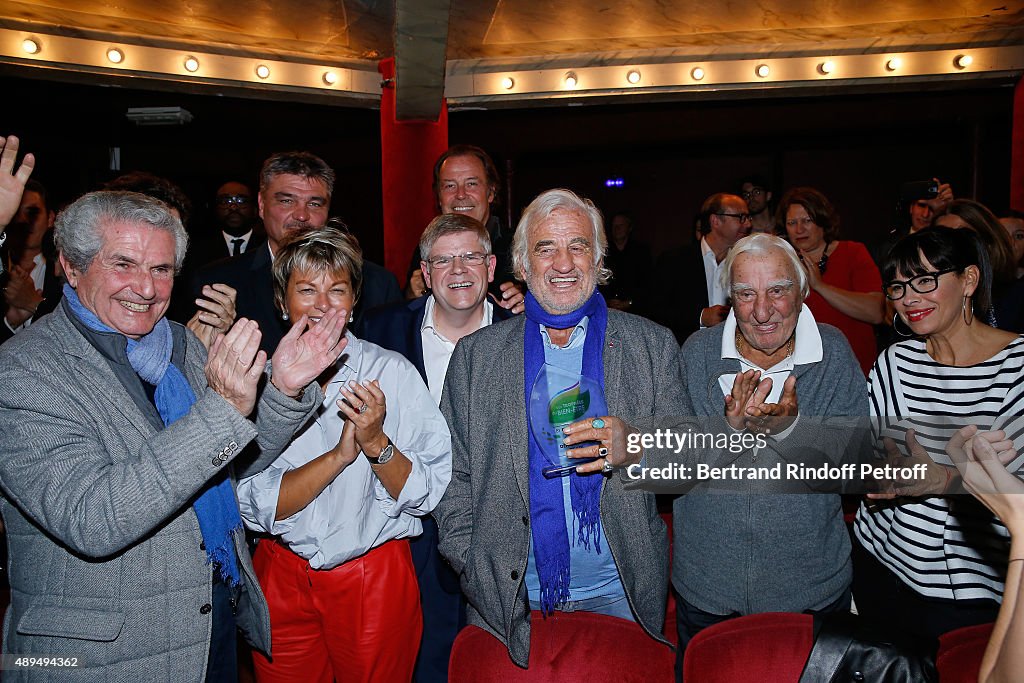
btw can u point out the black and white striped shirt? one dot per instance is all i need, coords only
(948, 547)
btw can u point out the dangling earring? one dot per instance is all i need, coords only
(284, 315)
(896, 319)
(964, 308)
(351, 318)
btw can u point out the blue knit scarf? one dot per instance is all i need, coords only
(150, 358)
(547, 508)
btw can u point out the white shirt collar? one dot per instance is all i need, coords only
(806, 350)
(428, 318)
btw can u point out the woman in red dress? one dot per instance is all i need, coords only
(846, 288)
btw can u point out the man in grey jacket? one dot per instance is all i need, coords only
(517, 539)
(121, 444)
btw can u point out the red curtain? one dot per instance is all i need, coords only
(408, 151)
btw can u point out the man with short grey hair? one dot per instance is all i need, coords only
(117, 464)
(570, 537)
(457, 265)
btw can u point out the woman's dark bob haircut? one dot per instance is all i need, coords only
(942, 248)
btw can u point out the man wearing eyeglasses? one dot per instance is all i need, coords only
(690, 293)
(457, 265)
(235, 212)
(754, 191)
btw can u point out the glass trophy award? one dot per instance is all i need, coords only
(560, 398)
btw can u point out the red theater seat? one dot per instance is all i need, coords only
(567, 647)
(752, 649)
(960, 653)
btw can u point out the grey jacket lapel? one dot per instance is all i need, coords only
(94, 371)
(617, 404)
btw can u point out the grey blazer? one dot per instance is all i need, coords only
(105, 554)
(485, 514)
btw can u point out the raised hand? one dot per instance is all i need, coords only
(216, 313)
(12, 183)
(303, 354)
(235, 365)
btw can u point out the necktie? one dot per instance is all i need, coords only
(236, 246)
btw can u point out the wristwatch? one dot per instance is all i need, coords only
(385, 455)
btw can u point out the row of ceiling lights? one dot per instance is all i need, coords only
(826, 68)
(190, 63)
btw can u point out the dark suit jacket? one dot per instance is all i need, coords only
(209, 246)
(250, 275)
(681, 290)
(397, 327)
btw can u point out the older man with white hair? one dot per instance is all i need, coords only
(518, 539)
(118, 461)
(745, 550)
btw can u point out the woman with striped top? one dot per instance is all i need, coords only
(927, 562)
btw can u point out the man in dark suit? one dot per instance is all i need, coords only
(295, 195)
(466, 182)
(236, 230)
(32, 287)
(688, 293)
(457, 264)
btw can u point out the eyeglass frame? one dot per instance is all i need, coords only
(744, 217)
(236, 199)
(753, 192)
(450, 258)
(905, 283)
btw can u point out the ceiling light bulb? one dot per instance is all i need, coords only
(894, 64)
(697, 74)
(762, 70)
(191, 64)
(825, 68)
(570, 80)
(330, 77)
(963, 61)
(115, 55)
(263, 71)
(508, 83)
(633, 77)
(30, 46)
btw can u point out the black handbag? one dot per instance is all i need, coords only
(848, 650)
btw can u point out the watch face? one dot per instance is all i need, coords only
(386, 454)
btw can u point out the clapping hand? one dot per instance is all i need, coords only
(235, 365)
(982, 459)
(305, 353)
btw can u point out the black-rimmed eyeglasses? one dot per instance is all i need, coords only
(922, 284)
(744, 217)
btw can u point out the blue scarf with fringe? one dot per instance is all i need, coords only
(150, 358)
(547, 507)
